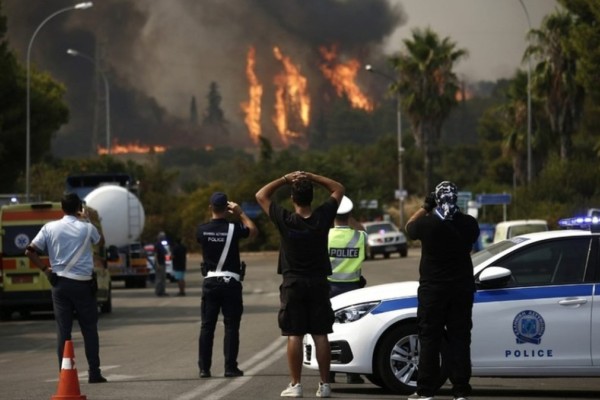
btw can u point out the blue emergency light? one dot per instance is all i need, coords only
(591, 223)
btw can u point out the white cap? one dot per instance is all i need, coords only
(345, 206)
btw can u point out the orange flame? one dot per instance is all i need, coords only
(252, 108)
(463, 94)
(292, 103)
(131, 148)
(342, 78)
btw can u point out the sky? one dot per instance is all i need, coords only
(493, 31)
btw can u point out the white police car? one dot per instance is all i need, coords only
(536, 313)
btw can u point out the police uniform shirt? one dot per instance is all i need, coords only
(212, 237)
(62, 240)
(347, 252)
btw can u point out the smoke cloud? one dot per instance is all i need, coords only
(158, 54)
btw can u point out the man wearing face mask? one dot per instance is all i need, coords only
(446, 289)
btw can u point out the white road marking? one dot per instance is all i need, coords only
(250, 367)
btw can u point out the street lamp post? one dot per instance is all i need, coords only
(78, 6)
(76, 53)
(528, 101)
(370, 68)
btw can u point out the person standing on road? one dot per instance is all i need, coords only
(222, 287)
(446, 289)
(304, 263)
(160, 265)
(68, 242)
(346, 253)
(179, 265)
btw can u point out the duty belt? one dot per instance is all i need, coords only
(226, 275)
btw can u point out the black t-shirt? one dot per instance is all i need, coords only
(213, 235)
(445, 249)
(179, 257)
(303, 249)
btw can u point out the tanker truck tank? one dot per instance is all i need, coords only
(122, 216)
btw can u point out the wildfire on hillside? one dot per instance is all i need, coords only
(252, 107)
(292, 102)
(342, 76)
(291, 111)
(131, 148)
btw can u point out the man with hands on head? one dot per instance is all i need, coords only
(304, 262)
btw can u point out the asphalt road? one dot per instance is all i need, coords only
(149, 348)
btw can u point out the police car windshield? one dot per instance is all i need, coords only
(492, 250)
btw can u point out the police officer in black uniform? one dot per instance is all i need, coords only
(222, 287)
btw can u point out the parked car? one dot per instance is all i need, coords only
(534, 315)
(384, 238)
(150, 259)
(486, 236)
(510, 229)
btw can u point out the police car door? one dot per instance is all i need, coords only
(543, 318)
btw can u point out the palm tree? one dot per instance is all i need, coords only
(514, 122)
(428, 87)
(554, 78)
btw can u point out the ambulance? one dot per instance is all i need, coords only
(24, 287)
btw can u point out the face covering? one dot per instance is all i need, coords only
(446, 197)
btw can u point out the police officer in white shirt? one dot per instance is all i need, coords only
(68, 242)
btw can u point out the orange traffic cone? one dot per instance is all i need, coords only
(68, 382)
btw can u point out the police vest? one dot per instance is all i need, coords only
(346, 253)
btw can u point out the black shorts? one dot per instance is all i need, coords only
(305, 307)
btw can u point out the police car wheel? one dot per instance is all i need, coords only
(397, 359)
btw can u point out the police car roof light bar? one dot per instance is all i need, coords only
(591, 223)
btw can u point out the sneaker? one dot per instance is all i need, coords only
(292, 390)
(232, 373)
(324, 390)
(416, 396)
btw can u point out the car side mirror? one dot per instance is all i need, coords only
(494, 277)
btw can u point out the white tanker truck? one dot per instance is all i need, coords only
(122, 217)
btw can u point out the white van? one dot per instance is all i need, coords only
(509, 229)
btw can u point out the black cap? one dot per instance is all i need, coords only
(218, 199)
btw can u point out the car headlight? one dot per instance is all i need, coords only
(354, 313)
